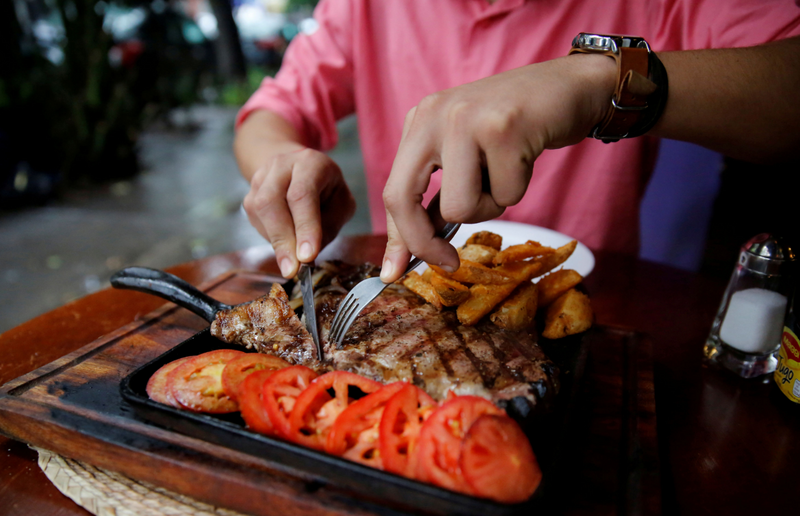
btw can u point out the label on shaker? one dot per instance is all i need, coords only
(787, 376)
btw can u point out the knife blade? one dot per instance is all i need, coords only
(307, 289)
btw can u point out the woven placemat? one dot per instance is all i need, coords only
(105, 493)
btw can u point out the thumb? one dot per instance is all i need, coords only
(396, 256)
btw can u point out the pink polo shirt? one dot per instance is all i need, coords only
(379, 58)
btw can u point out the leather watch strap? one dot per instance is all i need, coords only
(630, 94)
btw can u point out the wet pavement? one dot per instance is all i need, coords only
(186, 204)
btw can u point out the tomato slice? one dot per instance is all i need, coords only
(355, 433)
(157, 384)
(497, 460)
(439, 445)
(279, 395)
(251, 405)
(237, 370)
(315, 410)
(400, 426)
(197, 383)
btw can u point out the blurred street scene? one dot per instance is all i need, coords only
(185, 204)
(116, 146)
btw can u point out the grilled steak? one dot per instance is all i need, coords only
(399, 337)
(268, 325)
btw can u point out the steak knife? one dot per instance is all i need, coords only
(307, 289)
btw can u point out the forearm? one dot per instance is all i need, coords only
(742, 102)
(260, 138)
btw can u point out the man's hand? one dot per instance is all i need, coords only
(298, 202)
(492, 129)
(298, 199)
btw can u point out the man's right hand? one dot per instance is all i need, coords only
(298, 201)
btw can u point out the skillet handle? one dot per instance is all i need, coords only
(170, 287)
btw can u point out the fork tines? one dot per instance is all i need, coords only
(345, 315)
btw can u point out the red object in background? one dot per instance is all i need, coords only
(128, 52)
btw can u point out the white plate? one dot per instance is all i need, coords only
(582, 260)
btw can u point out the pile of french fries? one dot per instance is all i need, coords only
(499, 283)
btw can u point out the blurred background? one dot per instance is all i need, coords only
(116, 126)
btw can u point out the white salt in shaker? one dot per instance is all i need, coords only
(746, 333)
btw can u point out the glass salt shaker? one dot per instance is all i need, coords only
(746, 334)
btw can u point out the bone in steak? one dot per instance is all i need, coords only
(399, 337)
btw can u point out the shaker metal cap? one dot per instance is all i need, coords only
(768, 254)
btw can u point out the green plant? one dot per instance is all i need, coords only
(83, 115)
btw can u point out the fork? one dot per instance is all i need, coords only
(362, 294)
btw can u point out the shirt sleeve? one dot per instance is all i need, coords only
(701, 24)
(314, 87)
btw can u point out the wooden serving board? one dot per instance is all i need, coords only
(73, 407)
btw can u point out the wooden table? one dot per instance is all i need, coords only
(726, 446)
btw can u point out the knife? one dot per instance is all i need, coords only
(307, 289)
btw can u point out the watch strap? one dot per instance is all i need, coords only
(630, 93)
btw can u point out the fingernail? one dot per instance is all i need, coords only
(447, 268)
(304, 252)
(386, 269)
(286, 267)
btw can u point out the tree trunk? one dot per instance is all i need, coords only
(230, 58)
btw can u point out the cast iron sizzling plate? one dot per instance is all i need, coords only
(545, 430)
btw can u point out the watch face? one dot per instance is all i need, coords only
(607, 42)
(596, 42)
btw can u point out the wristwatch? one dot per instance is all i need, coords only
(641, 90)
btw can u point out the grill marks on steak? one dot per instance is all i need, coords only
(399, 337)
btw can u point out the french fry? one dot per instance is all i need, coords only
(478, 253)
(486, 238)
(482, 298)
(556, 283)
(569, 314)
(426, 275)
(520, 271)
(517, 311)
(551, 261)
(414, 282)
(473, 272)
(450, 292)
(520, 252)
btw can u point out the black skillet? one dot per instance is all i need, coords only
(313, 466)
(171, 288)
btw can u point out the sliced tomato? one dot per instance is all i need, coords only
(400, 426)
(251, 405)
(237, 370)
(157, 384)
(197, 383)
(279, 395)
(316, 410)
(497, 460)
(439, 446)
(355, 433)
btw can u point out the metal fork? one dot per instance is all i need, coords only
(362, 294)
